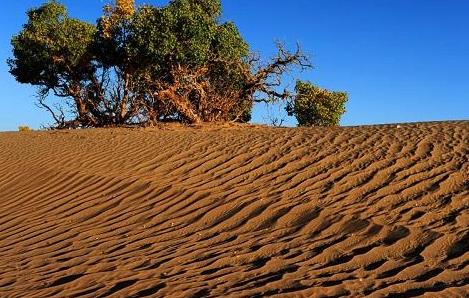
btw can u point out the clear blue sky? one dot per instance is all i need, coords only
(399, 60)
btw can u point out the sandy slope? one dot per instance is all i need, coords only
(236, 211)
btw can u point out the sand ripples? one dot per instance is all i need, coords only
(243, 212)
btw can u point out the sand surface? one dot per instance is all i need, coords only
(236, 211)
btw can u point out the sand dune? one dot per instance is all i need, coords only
(236, 211)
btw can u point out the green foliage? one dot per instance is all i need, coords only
(314, 106)
(51, 48)
(186, 32)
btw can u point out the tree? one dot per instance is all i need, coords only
(58, 54)
(314, 106)
(139, 66)
(188, 63)
(51, 52)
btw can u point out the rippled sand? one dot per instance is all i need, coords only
(240, 211)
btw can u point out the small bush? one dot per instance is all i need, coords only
(314, 106)
(24, 128)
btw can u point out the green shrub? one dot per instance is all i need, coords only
(315, 106)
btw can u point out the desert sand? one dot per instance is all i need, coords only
(236, 211)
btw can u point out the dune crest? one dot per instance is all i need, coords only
(237, 211)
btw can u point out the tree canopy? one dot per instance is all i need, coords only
(52, 48)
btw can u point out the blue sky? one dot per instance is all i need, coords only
(399, 60)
